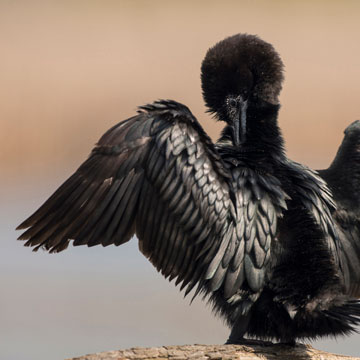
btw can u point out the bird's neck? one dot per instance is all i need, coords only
(263, 148)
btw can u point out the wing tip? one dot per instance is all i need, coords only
(23, 226)
(21, 237)
(354, 126)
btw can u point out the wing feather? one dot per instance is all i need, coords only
(343, 178)
(159, 176)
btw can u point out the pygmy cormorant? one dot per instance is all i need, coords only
(272, 245)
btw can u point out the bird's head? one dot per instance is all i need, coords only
(241, 80)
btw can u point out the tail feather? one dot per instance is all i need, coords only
(337, 320)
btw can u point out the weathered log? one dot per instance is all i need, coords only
(213, 352)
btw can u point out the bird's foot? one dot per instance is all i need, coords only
(291, 343)
(249, 342)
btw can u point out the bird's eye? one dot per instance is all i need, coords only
(232, 103)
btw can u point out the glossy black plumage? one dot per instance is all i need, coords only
(343, 178)
(255, 232)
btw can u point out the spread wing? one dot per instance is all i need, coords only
(157, 175)
(343, 178)
(343, 175)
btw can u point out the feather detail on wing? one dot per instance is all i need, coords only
(260, 202)
(156, 175)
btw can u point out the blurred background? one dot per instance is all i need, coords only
(69, 71)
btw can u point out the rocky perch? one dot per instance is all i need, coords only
(213, 352)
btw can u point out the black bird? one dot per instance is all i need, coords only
(257, 234)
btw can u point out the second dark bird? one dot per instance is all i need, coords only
(272, 245)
